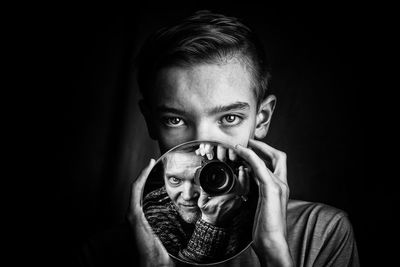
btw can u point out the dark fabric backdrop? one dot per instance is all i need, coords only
(316, 52)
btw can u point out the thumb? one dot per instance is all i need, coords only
(203, 199)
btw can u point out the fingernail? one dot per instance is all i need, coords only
(237, 146)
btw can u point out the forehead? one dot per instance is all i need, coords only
(181, 163)
(204, 85)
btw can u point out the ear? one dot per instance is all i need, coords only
(147, 114)
(264, 115)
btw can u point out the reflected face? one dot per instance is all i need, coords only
(204, 102)
(179, 172)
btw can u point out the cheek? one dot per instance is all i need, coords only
(173, 192)
(250, 129)
(171, 138)
(240, 135)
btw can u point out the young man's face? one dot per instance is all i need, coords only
(213, 102)
(203, 102)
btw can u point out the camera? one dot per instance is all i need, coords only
(217, 177)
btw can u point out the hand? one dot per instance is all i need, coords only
(151, 250)
(218, 210)
(206, 149)
(269, 231)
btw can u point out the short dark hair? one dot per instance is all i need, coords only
(204, 37)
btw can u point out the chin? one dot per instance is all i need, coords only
(190, 217)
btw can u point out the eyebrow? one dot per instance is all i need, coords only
(165, 109)
(218, 109)
(230, 107)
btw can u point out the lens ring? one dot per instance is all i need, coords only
(216, 177)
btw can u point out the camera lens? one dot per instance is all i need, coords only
(216, 178)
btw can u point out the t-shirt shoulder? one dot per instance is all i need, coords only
(324, 218)
(319, 233)
(301, 208)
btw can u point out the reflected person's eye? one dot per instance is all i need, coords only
(174, 181)
(231, 120)
(173, 121)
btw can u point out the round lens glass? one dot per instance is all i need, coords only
(182, 201)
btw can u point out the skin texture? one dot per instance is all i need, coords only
(180, 168)
(190, 102)
(190, 200)
(217, 102)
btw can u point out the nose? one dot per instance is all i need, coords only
(207, 131)
(190, 191)
(211, 132)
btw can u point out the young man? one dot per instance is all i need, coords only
(206, 78)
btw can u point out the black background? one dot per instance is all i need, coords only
(98, 139)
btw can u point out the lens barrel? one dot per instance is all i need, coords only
(215, 177)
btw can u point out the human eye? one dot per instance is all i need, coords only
(231, 120)
(172, 121)
(174, 181)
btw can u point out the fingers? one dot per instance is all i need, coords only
(203, 198)
(262, 174)
(268, 150)
(247, 179)
(243, 177)
(273, 183)
(206, 199)
(221, 153)
(278, 158)
(138, 184)
(216, 201)
(222, 198)
(207, 150)
(218, 210)
(232, 155)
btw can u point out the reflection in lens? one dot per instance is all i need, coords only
(172, 208)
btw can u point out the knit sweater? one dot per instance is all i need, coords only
(200, 242)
